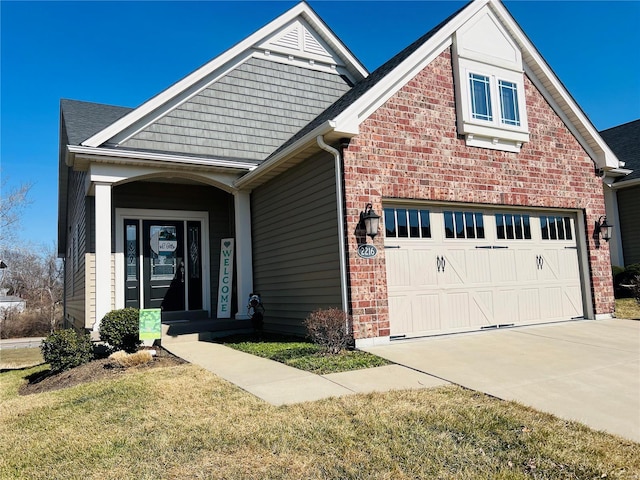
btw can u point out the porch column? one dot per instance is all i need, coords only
(244, 252)
(102, 193)
(611, 206)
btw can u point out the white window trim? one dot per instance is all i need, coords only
(493, 133)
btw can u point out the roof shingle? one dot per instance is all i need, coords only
(624, 140)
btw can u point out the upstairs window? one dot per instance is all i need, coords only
(483, 106)
(509, 113)
(480, 97)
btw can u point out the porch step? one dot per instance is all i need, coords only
(180, 331)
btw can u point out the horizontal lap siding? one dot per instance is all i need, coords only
(248, 113)
(629, 214)
(75, 266)
(295, 244)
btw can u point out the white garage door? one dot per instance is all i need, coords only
(458, 269)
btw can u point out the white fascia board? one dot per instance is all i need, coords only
(557, 95)
(281, 157)
(218, 62)
(360, 110)
(125, 156)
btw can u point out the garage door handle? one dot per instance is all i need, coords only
(441, 263)
(539, 262)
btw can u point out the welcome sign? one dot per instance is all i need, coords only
(225, 280)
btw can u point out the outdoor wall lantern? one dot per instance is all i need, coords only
(605, 228)
(371, 220)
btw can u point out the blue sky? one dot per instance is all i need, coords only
(123, 53)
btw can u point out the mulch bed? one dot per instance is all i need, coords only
(95, 370)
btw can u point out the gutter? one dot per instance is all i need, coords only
(341, 229)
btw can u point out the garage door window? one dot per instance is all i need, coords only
(463, 225)
(407, 223)
(513, 226)
(555, 228)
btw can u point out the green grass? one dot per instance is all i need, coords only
(20, 358)
(627, 308)
(185, 423)
(304, 355)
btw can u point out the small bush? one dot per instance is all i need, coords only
(120, 329)
(623, 277)
(66, 349)
(123, 359)
(330, 328)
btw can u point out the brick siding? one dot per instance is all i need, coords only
(409, 149)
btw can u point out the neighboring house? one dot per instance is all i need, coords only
(11, 302)
(622, 193)
(487, 173)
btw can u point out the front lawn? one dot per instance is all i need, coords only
(11, 358)
(302, 354)
(182, 422)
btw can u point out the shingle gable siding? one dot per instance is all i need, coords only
(409, 149)
(247, 114)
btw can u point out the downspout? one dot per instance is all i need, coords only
(341, 232)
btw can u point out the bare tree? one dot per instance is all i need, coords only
(13, 200)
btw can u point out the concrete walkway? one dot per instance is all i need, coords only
(280, 384)
(586, 370)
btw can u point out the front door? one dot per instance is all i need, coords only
(164, 269)
(164, 262)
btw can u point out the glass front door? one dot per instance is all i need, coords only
(168, 273)
(163, 264)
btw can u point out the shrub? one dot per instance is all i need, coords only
(330, 328)
(120, 329)
(623, 277)
(123, 359)
(65, 349)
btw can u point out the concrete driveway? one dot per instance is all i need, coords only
(585, 370)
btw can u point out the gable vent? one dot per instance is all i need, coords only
(311, 45)
(289, 39)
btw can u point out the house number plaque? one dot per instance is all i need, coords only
(367, 251)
